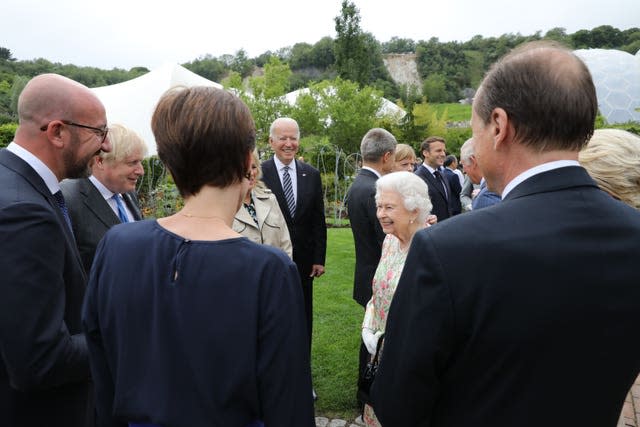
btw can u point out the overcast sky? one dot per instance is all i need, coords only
(125, 34)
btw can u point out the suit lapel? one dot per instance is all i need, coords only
(431, 180)
(22, 168)
(96, 204)
(133, 206)
(302, 184)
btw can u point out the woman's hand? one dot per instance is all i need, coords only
(370, 339)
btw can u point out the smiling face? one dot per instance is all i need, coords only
(435, 155)
(284, 141)
(120, 176)
(393, 216)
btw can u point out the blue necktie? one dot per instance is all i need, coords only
(63, 207)
(122, 213)
(288, 191)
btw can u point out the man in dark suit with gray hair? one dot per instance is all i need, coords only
(532, 322)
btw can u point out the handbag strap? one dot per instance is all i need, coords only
(378, 347)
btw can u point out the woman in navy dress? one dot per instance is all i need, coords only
(187, 322)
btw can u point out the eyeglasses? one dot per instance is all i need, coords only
(100, 132)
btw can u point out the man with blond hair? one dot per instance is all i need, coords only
(108, 197)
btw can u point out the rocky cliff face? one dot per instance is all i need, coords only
(403, 69)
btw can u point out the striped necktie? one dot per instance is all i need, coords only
(122, 213)
(288, 191)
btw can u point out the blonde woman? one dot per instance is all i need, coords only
(259, 218)
(612, 158)
(405, 158)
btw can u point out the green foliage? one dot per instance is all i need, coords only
(455, 137)
(208, 67)
(7, 132)
(348, 111)
(399, 45)
(443, 59)
(434, 88)
(350, 49)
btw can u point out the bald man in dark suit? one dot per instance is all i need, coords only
(44, 364)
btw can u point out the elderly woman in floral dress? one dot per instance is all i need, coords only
(402, 200)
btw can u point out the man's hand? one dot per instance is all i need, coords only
(317, 270)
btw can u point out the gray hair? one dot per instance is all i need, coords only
(467, 150)
(412, 189)
(281, 120)
(375, 143)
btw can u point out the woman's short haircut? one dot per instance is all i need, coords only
(547, 93)
(204, 137)
(612, 158)
(404, 151)
(124, 142)
(412, 189)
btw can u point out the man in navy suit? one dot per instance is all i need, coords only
(108, 196)
(44, 364)
(533, 321)
(455, 182)
(431, 171)
(302, 205)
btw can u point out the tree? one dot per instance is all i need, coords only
(5, 54)
(350, 49)
(347, 110)
(399, 45)
(208, 67)
(242, 64)
(434, 88)
(559, 34)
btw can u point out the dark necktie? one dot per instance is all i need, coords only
(288, 191)
(122, 213)
(63, 208)
(443, 187)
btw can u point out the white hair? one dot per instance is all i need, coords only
(412, 189)
(467, 150)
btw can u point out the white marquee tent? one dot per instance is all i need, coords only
(132, 103)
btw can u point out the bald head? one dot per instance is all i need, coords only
(50, 96)
(61, 123)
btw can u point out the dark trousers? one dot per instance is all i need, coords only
(307, 293)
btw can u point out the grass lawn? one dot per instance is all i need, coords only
(455, 112)
(337, 321)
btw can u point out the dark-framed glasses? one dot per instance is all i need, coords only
(100, 132)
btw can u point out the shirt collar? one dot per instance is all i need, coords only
(372, 170)
(535, 171)
(36, 164)
(106, 193)
(280, 165)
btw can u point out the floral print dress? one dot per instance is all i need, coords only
(383, 286)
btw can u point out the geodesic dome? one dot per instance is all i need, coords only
(616, 75)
